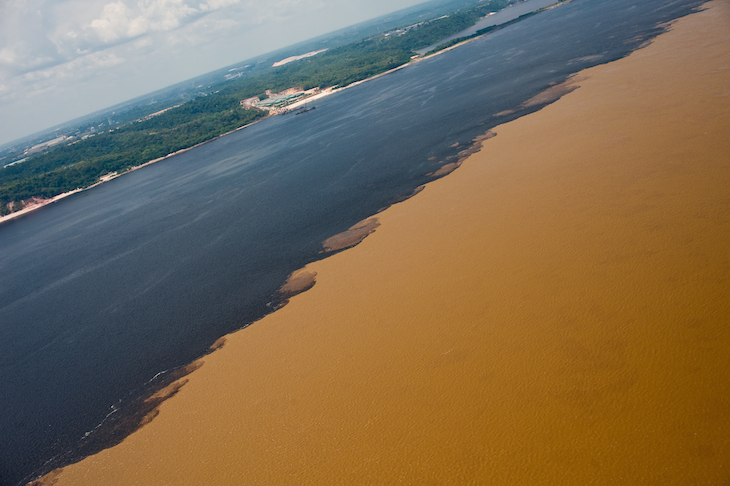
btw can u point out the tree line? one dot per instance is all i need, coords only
(82, 163)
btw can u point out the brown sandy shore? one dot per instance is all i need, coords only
(555, 311)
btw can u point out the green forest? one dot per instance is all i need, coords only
(82, 163)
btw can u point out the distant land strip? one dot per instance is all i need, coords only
(92, 158)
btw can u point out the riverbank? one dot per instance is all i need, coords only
(511, 14)
(552, 312)
(45, 202)
(40, 202)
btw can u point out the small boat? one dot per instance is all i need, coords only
(305, 109)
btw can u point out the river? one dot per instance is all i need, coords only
(110, 287)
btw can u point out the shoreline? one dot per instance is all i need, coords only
(114, 175)
(607, 356)
(326, 92)
(466, 36)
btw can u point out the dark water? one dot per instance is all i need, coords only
(105, 289)
(498, 18)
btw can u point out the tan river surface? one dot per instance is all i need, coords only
(556, 311)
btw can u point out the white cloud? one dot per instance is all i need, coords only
(114, 22)
(22, 57)
(37, 34)
(64, 58)
(79, 68)
(59, 77)
(120, 22)
(211, 5)
(8, 55)
(143, 43)
(206, 30)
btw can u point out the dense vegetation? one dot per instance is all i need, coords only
(83, 162)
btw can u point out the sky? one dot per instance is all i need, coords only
(61, 59)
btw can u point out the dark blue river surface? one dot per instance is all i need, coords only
(503, 16)
(104, 290)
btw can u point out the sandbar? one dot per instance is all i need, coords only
(553, 312)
